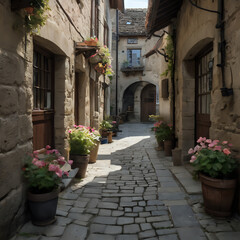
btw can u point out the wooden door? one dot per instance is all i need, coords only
(43, 97)
(203, 92)
(148, 102)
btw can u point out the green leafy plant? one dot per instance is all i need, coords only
(35, 20)
(212, 158)
(169, 50)
(163, 131)
(106, 125)
(43, 170)
(81, 140)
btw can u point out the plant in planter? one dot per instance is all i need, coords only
(157, 128)
(96, 139)
(106, 130)
(215, 166)
(36, 17)
(92, 41)
(43, 173)
(81, 142)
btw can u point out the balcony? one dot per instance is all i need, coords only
(132, 69)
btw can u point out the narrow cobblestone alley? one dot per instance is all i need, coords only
(133, 192)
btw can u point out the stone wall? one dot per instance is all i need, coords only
(200, 31)
(58, 36)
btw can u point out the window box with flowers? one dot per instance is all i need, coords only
(215, 166)
(43, 172)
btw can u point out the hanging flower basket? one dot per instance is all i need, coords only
(95, 59)
(29, 10)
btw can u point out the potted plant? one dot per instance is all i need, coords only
(215, 166)
(81, 142)
(96, 139)
(92, 41)
(106, 130)
(36, 15)
(157, 128)
(43, 173)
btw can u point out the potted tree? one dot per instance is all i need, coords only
(215, 166)
(94, 151)
(43, 173)
(81, 142)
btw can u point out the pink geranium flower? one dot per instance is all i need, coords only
(193, 158)
(226, 151)
(190, 151)
(224, 142)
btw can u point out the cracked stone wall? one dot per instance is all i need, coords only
(58, 36)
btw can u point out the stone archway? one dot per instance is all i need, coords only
(131, 101)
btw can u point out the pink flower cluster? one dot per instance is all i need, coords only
(157, 125)
(213, 145)
(50, 159)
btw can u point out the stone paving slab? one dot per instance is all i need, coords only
(133, 192)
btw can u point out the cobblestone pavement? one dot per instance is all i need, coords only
(133, 192)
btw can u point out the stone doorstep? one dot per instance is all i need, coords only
(67, 181)
(186, 180)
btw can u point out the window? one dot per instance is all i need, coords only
(133, 57)
(94, 19)
(204, 81)
(42, 80)
(132, 41)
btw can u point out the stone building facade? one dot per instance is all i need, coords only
(206, 70)
(198, 50)
(33, 114)
(139, 78)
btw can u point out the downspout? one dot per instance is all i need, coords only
(173, 83)
(117, 38)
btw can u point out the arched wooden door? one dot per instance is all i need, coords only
(148, 102)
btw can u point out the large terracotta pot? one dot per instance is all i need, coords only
(43, 207)
(218, 195)
(81, 162)
(168, 147)
(94, 153)
(160, 145)
(109, 136)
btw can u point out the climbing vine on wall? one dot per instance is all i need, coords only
(169, 50)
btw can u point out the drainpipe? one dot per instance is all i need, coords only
(117, 38)
(224, 90)
(173, 83)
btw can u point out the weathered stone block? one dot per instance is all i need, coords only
(9, 207)
(25, 128)
(11, 68)
(8, 132)
(8, 100)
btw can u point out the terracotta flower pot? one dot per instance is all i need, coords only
(160, 145)
(81, 162)
(94, 153)
(90, 43)
(168, 147)
(218, 195)
(109, 137)
(43, 207)
(29, 10)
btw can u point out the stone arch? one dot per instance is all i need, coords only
(131, 100)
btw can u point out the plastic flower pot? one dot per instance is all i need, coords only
(104, 141)
(43, 207)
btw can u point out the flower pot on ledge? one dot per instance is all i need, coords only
(90, 43)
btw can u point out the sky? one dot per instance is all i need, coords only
(136, 3)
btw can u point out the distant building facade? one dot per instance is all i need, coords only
(138, 89)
